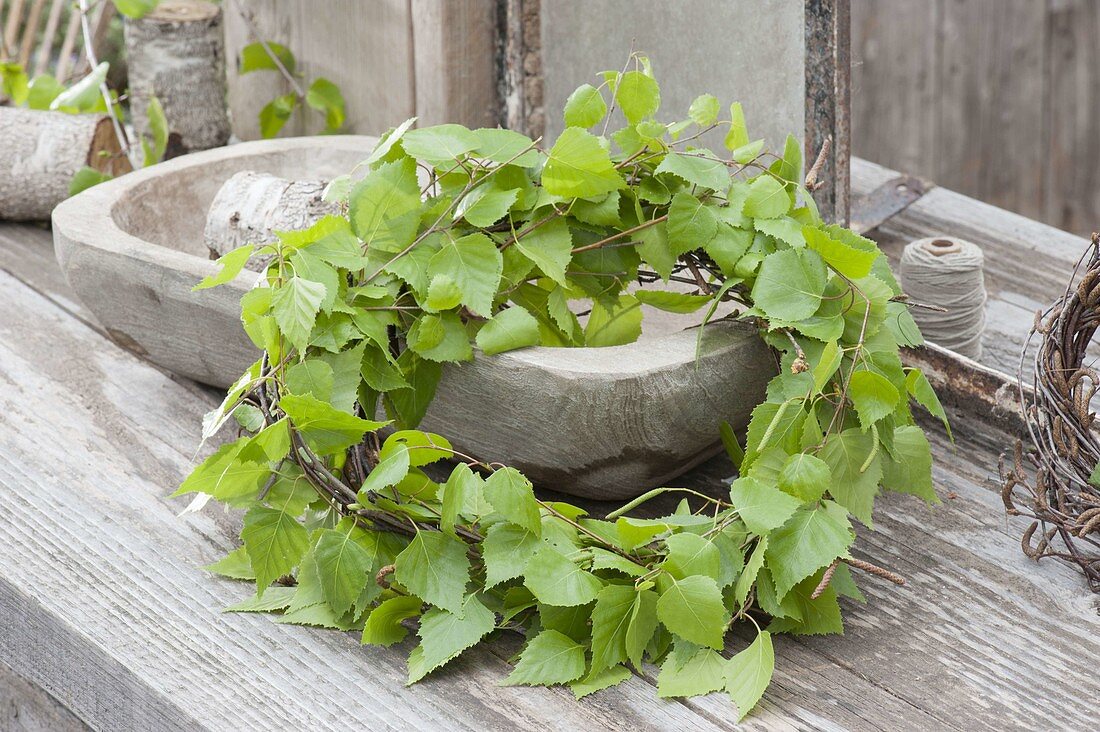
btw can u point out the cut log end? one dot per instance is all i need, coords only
(182, 11)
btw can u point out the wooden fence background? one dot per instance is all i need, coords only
(998, 99)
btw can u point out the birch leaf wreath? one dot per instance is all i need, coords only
(354, 520)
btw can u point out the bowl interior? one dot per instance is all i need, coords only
(169, 208)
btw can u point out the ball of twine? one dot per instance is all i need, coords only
(947, 272)
(1065, 446)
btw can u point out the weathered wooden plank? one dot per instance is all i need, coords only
(895, 82)
(990, 137)
(1072, 143)
(25, 707)
(455, 69)
(26, 251)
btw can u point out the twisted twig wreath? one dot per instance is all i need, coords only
(1064, 496)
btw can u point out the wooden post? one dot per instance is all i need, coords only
(42, 151)
(177, 54)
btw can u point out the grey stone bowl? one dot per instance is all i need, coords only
(604, 423)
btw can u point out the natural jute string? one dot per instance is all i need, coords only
(947, 272)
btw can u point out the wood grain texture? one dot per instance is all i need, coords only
(993, 98)
(1072, 144)
(454, 62)
(25, 707)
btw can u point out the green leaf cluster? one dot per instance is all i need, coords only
(322, 95)
(458, 241)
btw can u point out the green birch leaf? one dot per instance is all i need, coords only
(747, 152)
(831, 356)
(254, 57)
(691, 223)
(672, 302)
(728, 246)
(506, 146)
(873, 395)
(692, 609)
(326, 97)
(235, 565)
(475, 264)
(384, 207)
(549, 658)
(343, 566)
(486, 205)
(231, 265)
(851, 262)
(856, 472)
(506, 549)
(752, 569)
(617, 609)
(690, 554)
(225, 475)
(691, 671)
(918, 386)
(653, 246)
(462, 496)
(805, 477)
(508, 330)
(615, 325)
(550, 247)
(274, 599)
(599, 680)
(87, 177)
(704, 110)
(738, 135)
(274, 115)
(908, 469)
(785, 229)
(444, 635)
(271, 444)
(440, 337)
(749, 673)
(435, 568)
(295, 306)
(699, 167)
(761, 505)
(638, 96)
(389, 471)
(325, 428)
(585, 107)
(790, 167)
(579, 167)
(767, 199)
(443, 294)
(510, 495)
(440, 144)
(383, 626)
(312, 376)
(789, 284)
(812, 539)
(275, 543)
(555, 580)
(85, 94)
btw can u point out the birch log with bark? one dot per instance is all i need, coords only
(250, 207)
(177, 54)
(41, 151)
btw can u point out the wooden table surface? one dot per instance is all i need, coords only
(107, 619)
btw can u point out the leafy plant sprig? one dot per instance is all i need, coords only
(322, 94)
(456, 238)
